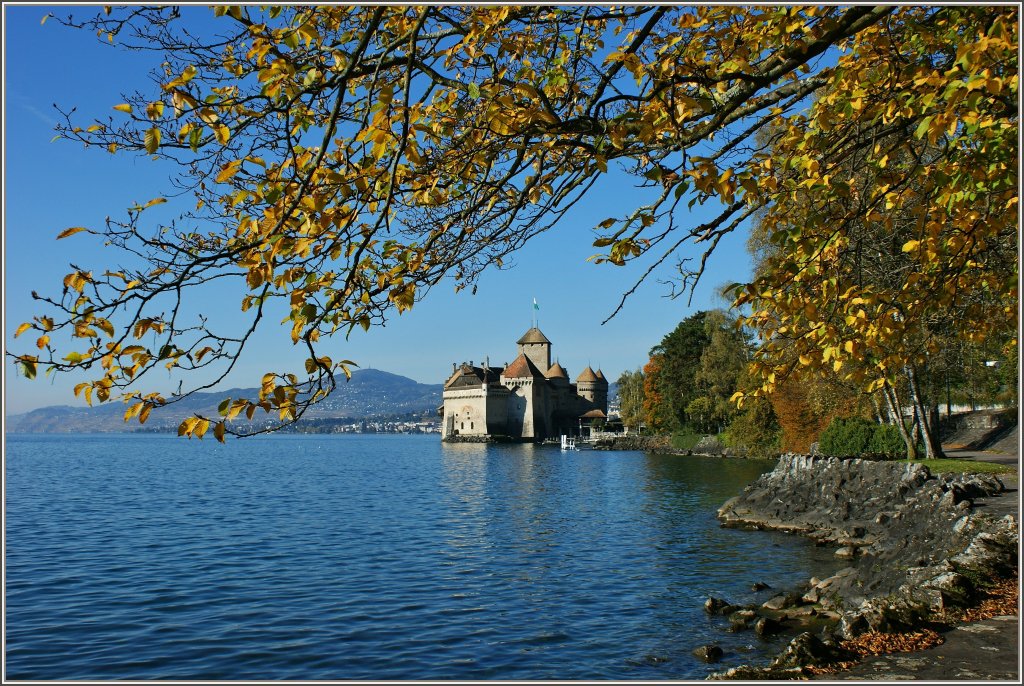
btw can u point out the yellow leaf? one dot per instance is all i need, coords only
(70, 232)
(22, 329)
(105, 326)
(152, 140)
(911, 246)
(155, 110)
(28, 367)
(123, 107)
(42, 341)
(223, 133)
(133, 411)
(236, 408)
(229, 170)
(218, 431)
(201, 427)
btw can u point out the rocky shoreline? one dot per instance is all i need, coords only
(917, 547)
(652, 443)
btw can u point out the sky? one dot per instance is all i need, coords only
(52, 185)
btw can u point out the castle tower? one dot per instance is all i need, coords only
(527, 406)
(587, 386)
(537, 347)
(601, 392)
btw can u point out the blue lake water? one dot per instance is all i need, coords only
(373, 557)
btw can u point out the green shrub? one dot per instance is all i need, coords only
(846, 437)
(886, 440)
(859, 436)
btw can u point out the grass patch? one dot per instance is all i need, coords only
(945, 465)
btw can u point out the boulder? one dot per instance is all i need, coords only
(766, 626)
(885, 615)
(718, 606)
(708, 653)
(740, 620)
(807, 650)
(782, 602)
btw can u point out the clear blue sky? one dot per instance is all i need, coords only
(49, 186)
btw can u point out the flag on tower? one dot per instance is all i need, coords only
(535, 305)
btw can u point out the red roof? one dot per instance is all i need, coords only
(594, 414)
(587, 375)
(522, 368)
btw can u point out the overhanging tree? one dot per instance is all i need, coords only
(903, 239)
(345, 159)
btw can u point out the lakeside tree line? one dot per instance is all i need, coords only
(688, 387)
(339, 162)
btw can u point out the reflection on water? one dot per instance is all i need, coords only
(372, 558)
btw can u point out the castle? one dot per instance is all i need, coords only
(529, 399)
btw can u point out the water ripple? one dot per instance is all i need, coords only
(147, 557)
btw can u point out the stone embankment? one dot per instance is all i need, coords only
(916, 545)
(633, 442)
(489, 438)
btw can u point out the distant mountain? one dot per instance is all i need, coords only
(371, 393)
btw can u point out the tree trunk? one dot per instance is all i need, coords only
(893, 402)
(929, 430)
(879, 410)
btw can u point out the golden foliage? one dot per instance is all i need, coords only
(348, 158)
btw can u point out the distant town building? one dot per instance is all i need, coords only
(528, 399)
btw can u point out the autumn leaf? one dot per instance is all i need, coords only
(222, 132)
(70, 231)
(152, 139)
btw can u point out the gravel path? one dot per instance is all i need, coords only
(980, 651)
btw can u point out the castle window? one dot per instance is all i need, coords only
(471, 425)
(462, 425)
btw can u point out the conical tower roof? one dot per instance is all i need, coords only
(600, 376)
(557, 371)
(587, 375)
(533, 335)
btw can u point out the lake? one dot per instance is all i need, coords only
(374, 557)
